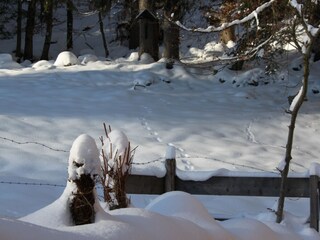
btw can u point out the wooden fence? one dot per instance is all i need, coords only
(236, 186)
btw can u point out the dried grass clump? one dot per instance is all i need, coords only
(116, 167)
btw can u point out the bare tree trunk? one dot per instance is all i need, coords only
(134, 26)
(69, 24)
(48, 19)
(28, 45)
(294, 114)
(171, 40)
(106, 51)
(171, 33)
(19, 29)
(227, 35)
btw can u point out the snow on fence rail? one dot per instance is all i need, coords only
(220, 185)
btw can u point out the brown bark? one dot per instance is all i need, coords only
(146, 4)
(294, 115)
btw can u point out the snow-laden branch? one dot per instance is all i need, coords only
(311, 31)
(296, 5)
(252, 15)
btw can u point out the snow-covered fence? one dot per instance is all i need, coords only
(226, 185)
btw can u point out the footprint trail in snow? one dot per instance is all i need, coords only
(181, 153)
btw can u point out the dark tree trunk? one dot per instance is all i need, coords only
(315, 20)
(171, 40)
(69, 24)
(83, 200)
(171, 33)
(134, 26)
(106, 51)
(19, 29)
(48, 19)
(28, 45)
(227, 34)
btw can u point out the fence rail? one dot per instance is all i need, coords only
(236, 186)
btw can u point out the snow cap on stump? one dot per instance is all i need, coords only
(84, 157)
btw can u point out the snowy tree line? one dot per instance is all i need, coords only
(269, 25)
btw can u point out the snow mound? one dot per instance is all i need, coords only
(119, 142)
(115, 147)
(134, 56)
(84, 59)
(58, 211)
(43, 65)
(145, 79)
(6, 62)
(145, 58)
(84, 157)
(16, 229)
(65, 59)
(174, 215)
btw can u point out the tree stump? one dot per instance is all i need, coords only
(83, 200)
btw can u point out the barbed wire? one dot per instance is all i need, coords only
(160, 159)
(33, 142)
(230, 163)
(32, 184)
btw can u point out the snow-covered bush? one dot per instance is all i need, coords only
(84, 166)
(65, 59)
(116, 162)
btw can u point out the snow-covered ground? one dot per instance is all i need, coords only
(220, 123)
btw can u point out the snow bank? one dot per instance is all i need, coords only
(19, 230)
(314, 169)
(171, 216)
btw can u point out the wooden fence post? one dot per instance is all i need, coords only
(314, 202)
(171, 169)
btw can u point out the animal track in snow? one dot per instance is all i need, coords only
(155, 134)
(187, 164)
(181, 152)
(250, 134)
